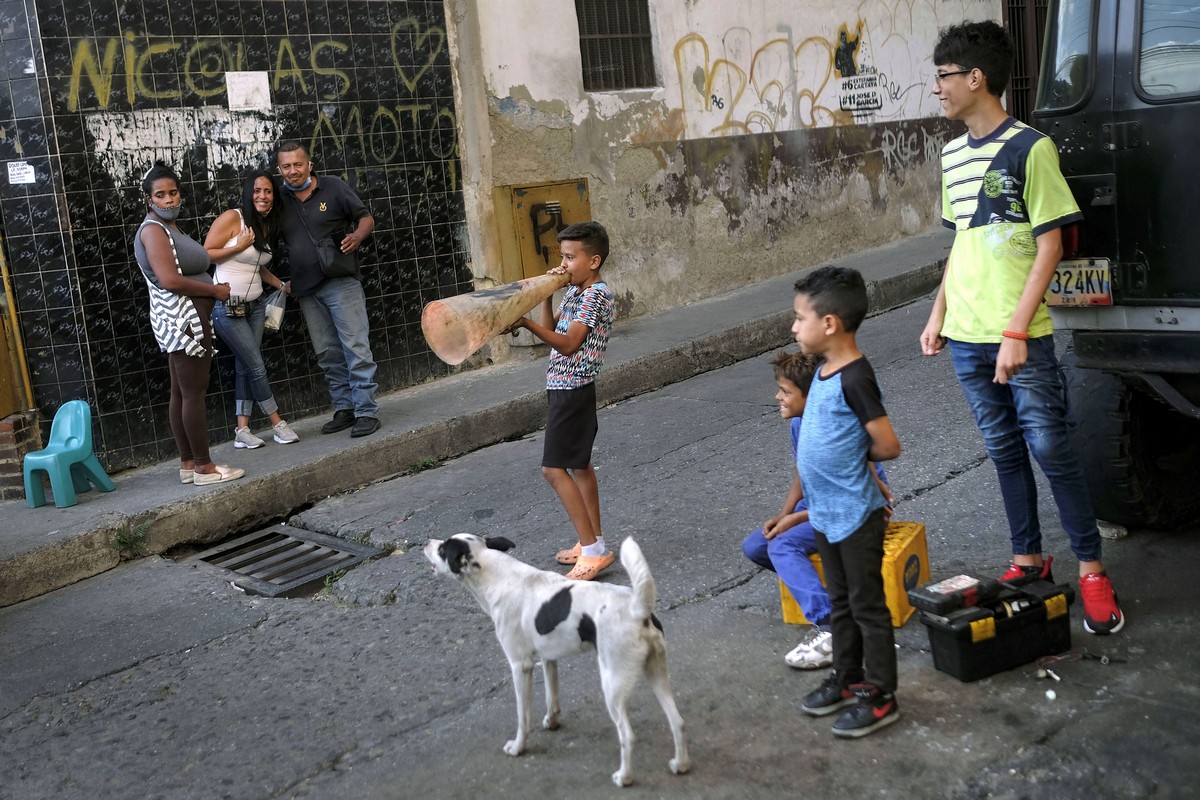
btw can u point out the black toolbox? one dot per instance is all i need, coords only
(1014, 626)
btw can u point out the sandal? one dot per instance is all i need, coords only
(588, 567)
(570, 555)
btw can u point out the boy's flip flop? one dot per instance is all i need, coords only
(588, 567)
(569, 556)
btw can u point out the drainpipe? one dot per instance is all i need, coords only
(15, 345)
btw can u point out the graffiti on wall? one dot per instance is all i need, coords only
(110, 79)
(868, 69)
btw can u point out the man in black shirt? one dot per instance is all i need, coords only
(335, 309)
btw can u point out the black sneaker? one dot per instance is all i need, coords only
(874, 709)
(833, 693)
(342, 418)
(364, 426)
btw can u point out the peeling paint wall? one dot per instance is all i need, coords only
(780, 134)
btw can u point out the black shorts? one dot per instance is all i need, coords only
(570, 427)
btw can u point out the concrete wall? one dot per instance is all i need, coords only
(781, 133)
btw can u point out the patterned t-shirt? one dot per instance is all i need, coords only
(593, 307)
(999, 193)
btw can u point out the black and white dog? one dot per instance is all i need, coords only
(540, 614)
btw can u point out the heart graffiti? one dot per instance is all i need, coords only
(431, 39)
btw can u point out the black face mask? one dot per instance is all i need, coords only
(170, 213)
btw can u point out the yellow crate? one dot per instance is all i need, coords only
(905, 566)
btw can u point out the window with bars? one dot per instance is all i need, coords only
(616, 43)
(1026, 23)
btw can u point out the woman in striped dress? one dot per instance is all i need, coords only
(182, 295)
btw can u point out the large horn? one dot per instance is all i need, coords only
(455, 327)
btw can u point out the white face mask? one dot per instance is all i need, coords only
(169, 213)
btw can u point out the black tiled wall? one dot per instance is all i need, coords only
(365, 83)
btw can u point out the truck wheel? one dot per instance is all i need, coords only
(1138, 455)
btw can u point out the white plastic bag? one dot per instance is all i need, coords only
(274, 310)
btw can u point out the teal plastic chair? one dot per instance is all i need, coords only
(68, 460)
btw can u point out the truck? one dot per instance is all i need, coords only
(1119, 92)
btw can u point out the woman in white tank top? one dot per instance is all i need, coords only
(241, 242)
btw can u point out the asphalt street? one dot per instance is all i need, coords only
(159, 679)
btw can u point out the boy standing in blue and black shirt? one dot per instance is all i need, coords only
(846, 427)
(1005, 197)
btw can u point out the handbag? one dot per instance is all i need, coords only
(273, 316)
(333, 262)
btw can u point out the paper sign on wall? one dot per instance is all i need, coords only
(248, 90)
(20, 172)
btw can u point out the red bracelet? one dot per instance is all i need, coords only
(1015, 335)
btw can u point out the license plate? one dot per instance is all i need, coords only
(1083, 282)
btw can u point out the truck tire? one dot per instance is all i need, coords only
(1139, 456)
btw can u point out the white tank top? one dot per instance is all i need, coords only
(240, 270)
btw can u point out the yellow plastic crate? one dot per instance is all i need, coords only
(905, 566)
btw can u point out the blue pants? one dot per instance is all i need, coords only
(787, 556)
(243, 336)
(336, 316)
(1029, 415)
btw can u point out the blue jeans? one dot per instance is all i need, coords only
(336, 316)
(243, 336)
(787, 555)
(1029, 415)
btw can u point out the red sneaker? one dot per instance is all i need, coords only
(1018, 573)
(1101, 614)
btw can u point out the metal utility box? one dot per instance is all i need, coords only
(529, 218)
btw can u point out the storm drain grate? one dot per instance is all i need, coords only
(283, 560)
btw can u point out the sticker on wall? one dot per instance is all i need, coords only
(20, 172)
(248, 90)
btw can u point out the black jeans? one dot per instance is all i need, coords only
(864, 644)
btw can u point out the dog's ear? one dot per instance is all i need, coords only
(498, 543)
(457, 554)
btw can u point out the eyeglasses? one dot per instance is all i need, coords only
(941, 76)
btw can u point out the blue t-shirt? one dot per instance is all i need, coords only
(832, 447)
(795, 428)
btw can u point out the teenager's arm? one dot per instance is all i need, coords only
(932, 340)
(1014, 352)
(884, 443)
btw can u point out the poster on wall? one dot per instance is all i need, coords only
(248, 91)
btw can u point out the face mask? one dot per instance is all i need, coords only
(170, 214)
(300, 188)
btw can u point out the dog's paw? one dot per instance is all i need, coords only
(550, 722)
(622, 778)
(514, 747)
(679, 767)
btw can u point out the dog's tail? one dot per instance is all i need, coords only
(645, 595)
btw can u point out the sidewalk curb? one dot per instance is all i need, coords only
(257, 501)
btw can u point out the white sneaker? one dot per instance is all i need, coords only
(284, 433)
(222, 475)
(815, 652)
(247, 440)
